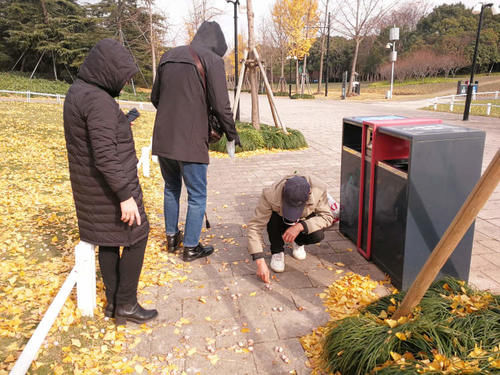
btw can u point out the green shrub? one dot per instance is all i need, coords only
(302, 96)
(281, 93)
(268, 137)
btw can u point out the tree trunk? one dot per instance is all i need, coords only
(44, 11)
(254, 86)
(303, 76)
(282, 75)
(323, 40)
(151, 39)
(353, 68)
(54, 66)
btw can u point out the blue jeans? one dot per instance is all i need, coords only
(195, 178)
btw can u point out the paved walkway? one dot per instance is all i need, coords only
(235, 307)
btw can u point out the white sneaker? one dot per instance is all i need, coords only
(298, 251)
(278, 262)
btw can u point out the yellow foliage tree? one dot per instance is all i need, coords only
(298, 18)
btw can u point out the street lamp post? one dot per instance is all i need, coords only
(478, 9)
(235, 3)
(393, 37)
(327, 68)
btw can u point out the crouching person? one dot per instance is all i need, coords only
(103, 173)
(294, 210)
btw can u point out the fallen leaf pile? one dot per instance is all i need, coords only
(342, 299)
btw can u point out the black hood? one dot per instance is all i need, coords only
(210, 36)
(108, 65)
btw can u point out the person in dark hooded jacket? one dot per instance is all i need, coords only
(180, 136)
(103, 173)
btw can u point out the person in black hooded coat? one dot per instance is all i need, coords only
(103, 173)
(180, 136)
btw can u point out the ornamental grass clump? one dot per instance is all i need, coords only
(455, 329)
(268, 137)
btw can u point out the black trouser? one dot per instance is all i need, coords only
(121, 274)
(276, 227)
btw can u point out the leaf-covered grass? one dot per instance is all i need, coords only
(269, 137)
(22, 82)
(454, 325)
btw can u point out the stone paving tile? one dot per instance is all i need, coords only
(269, 361)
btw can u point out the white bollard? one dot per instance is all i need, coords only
(488, 109)
(145, 161)
(85, 282)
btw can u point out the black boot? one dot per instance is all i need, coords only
(199, 251)
(109, 311)
(133, 313)
(174, 241)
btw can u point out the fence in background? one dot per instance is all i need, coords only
(480, 99)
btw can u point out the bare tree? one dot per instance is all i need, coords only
(199, 12)
(279, 36)
(357, 19)
(407, 15)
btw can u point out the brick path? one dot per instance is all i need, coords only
(238, 306)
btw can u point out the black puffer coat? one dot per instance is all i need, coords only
(101, 151)
(181, 125)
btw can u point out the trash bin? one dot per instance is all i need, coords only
(416, 178)
(462, 87)
(356, 87)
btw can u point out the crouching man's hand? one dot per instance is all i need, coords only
(262, 270)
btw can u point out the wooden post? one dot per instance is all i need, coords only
(252, 68)
(269, 92)
(453, 235)
(240, 84)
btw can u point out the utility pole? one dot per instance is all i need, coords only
(236, 3)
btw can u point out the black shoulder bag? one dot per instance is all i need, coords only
(214, 129)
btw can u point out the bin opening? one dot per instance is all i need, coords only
(401, 164)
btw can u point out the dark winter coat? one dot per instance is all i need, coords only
(181, 125)
(101, 151)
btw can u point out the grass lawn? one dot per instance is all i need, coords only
(20, 82)
(477, 110)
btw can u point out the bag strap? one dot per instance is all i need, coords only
(199, 66)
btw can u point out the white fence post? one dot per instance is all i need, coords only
(28, 96)
(145, 161)
(488, 109)
(85, 282)
(452, 103)
(496, 95)
(435, 106)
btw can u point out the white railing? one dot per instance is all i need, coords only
(29, 95)
(459, 99)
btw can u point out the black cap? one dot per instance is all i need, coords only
(295, 195)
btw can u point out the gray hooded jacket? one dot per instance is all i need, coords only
(181, 125)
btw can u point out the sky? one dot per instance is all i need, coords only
(177, 11)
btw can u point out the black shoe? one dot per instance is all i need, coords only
(199, 251)
(174, 241)
(133, 313)
(109, 311)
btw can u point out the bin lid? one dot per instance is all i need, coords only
(430, 131)
(358, 120)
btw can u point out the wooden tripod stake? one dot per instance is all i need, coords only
(269, 91)
(453, 235)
